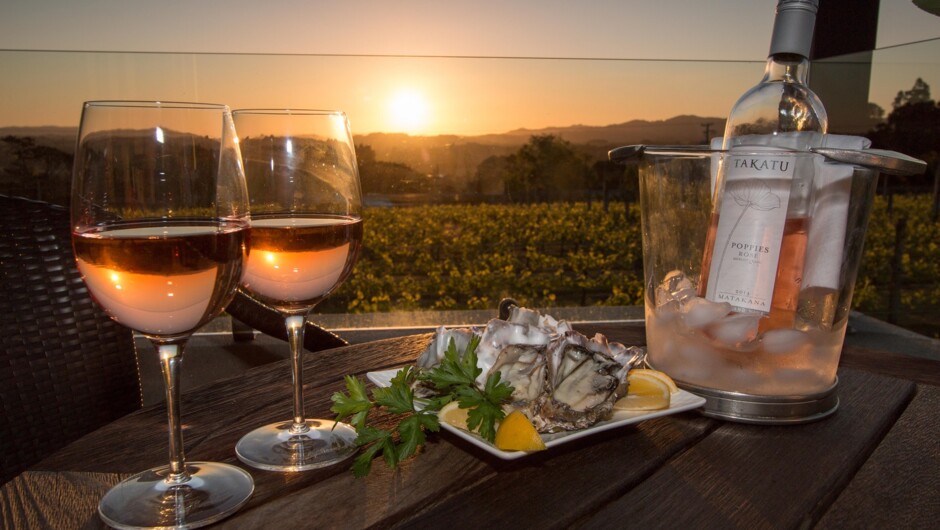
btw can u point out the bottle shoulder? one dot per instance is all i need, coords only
(777, 106)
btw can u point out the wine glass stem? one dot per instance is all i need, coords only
(171, 356)
(295, 336)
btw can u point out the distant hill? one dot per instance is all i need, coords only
(458, 156)
(452, 159)
(49, 130)
(61, 138)
(678, 130)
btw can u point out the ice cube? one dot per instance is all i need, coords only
(735, 330)
(668, 311)
(685, 294)
(799, 381)
(742, 380)
(696, 361)
(784, 340)
(795, 375)
(675, 286)
(664, 297)
(699, 312)
(673, 281)
(683, 285)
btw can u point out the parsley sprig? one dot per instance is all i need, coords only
(453, 379)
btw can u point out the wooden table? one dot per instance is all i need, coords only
(874, 464)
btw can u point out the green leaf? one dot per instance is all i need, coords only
(484, 418)
(368, 435)
(411, 435)
(398, 398)
(355, 405)
(454, 378)
(437, 403)
(390, 453)
(406, 376)
(455, 370)
(363, 463)
(496, 390)
(485, 407)
(374, 440)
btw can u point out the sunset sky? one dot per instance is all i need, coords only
(422, 67)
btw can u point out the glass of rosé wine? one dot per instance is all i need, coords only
(160, 225)
(306, 231)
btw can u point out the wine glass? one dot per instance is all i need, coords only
(306, 231)
(160, 222)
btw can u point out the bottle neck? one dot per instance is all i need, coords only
(788, 68)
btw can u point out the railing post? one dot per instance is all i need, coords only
(894, 294)
(935, 209)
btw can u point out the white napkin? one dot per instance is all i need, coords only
(829, 215)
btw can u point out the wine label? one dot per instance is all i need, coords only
(751, 222)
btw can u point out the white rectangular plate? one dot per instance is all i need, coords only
(679, 402)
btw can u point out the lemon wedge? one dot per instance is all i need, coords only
(658, 375)
(645, 391)
(516, 433)
(452, 414)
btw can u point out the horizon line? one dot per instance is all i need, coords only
(651, 122)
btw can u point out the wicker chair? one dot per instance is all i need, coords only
(65, 367)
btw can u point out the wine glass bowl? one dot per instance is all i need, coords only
(160, 225)
(306, 232)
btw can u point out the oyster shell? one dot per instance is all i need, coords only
(434, 353)
(502, 333)
(562, 380)
(584, 381)
(526, 369)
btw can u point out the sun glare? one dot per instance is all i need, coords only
(408, 112)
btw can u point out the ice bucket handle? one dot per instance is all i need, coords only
(887, 162)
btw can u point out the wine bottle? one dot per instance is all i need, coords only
(757, 238)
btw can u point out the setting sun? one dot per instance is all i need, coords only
(408, 111)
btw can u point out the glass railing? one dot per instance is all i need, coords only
(485, 177)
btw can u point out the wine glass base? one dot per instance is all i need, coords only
(213, 492)
(275, 448)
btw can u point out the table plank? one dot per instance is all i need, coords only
(899, 486)
(383, 497)
(219, 413)
(37, 499)
(556, 488)
(919, 369)
(216, 416)
(746, 476)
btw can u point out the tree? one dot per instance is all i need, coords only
(35, 170)
(365, 155)
(913, 128)
(612, 179)
(388, 177)
(490, 176)
(546, 168)
(919, 93)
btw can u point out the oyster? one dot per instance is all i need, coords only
(502, 333)
(583, 386)
(562, 380)
(434, 353)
